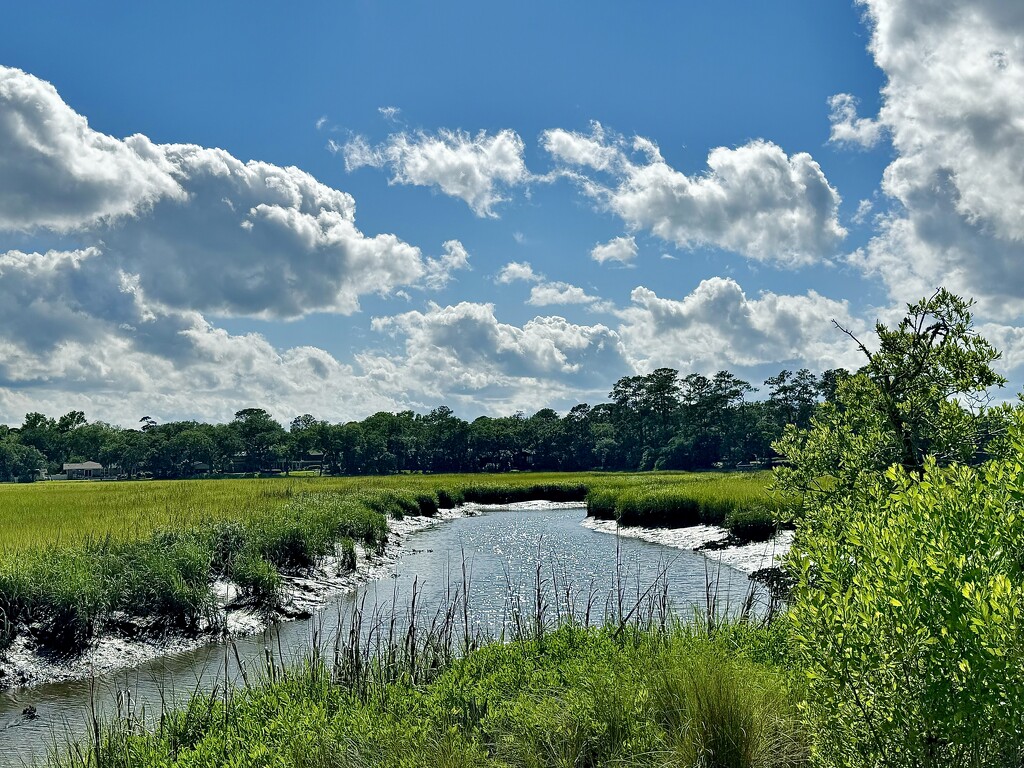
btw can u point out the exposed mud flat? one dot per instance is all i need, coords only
(126, 643)
(710, 540)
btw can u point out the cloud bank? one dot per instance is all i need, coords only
(952, 106)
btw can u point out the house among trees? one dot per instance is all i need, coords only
(86, 470)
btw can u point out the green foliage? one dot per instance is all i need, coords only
(909, 619)
(19, 462)
(575, 697)
(258, 580)
(905, 405)
(909, 597)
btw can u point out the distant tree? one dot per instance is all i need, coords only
(578, 429)
(71, 421)
(227, 444)
(19, 462)
(262, 437)
(191, 447)
(40, 432)
(829, 383)
(127, 450)
(303, 436)
(87, 441)
(709, 412)
(647, 410)
(793, 396)
(445, 441)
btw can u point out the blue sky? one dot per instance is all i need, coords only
(370, 206)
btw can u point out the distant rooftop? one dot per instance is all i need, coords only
(83, 465)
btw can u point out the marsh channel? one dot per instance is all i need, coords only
(503, 550)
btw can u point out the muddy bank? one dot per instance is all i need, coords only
(125, 642)
(710, 540)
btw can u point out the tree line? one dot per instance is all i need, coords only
(659, 420)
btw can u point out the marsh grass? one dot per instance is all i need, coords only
(62, 595)
(420, 688)
(64, 513)
(742, 503)
(76, 558)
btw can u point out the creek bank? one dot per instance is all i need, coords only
(128, 641)
(710, 540)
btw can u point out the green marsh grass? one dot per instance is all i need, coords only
(742, 503)
(74, 556)
(646, 693)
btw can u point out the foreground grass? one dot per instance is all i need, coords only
(571, 697)
(75, 557)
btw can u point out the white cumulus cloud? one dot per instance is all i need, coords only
(544, 292)
(847, 128)
(57, 172)
(620, 249)
(952, 105)
(597, 151)
(77, 335)
(557, 292)
(478, 169)
(517, 271)
(717, 326)
(754, 200)
(464, 352)
(197, 228)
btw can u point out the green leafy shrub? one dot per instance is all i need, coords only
(909, 618)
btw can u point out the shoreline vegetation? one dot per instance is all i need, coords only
(173, 564)
(634, 687)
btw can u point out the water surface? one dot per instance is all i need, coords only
(501, 551)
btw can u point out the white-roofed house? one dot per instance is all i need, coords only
(85, 470)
